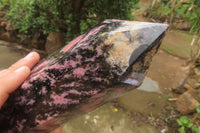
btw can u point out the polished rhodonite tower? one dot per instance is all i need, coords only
(106, 62)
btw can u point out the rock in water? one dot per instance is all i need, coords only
(102, 64)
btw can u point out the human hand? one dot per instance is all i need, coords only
(14, 76)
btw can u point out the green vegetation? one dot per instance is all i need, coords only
(185, 124)
(176, 8)
(152, 121)
(72, 17)
(168, 96)
(193, 15)
(162, 9)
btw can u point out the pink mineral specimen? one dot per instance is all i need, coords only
(104, 63)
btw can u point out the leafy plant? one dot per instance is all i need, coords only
(182, 10)
(194, 16)
(153, 121)
(163, 9)
(190, 11)
(185, 123)
(168, 96)
(72, 17)
(195, 129)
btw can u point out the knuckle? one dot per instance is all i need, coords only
(12, 67)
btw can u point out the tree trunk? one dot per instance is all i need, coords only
(78, 4)
(154, 2)
(172, 11)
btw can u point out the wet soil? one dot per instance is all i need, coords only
(107, 119)
(8, 56)
(169, 71)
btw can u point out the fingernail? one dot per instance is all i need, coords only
(30, 55)
(22, 69)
